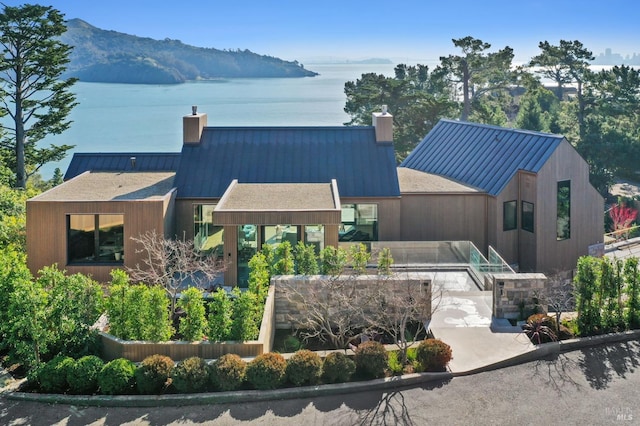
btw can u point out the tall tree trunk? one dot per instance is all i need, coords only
(466, 98)
(21, 174)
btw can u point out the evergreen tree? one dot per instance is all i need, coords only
(31, 61)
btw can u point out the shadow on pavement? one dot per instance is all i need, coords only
(601, 364)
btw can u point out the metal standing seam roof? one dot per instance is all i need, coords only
(121, 162)
(480, 155)
(349, 154)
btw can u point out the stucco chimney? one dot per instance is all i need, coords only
(383, 123)
(192, 126)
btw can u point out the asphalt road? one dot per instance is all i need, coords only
(596, 386)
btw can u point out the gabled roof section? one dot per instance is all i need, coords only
(483, 156)
(121, 162)
(349, 154)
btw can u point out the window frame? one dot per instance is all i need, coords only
(94, 259)
(527, 217)
(514, 219)
(567, 207)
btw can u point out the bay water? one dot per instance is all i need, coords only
(148, 118)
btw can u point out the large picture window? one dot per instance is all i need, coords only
(207, 238)
(510, 215)
(527, 216)
(359, 222)
(95, 238)
(563, 221)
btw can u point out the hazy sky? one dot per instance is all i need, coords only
(409, 30)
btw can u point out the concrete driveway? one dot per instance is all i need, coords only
(463, 320)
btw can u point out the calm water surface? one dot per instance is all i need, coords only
(132, 117)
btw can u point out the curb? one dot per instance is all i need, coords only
(539, 352)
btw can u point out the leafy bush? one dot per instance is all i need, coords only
(52, 377)
(306, 259)
(220, 316)
(247, 315)
(371, 359)
(154, 374)
(337, 368)
(193, 326)
(540, 328)
(333, 260)
(304, 366)
(83, 375)
(571, 325)
(228, 372)
(117, 377)
(394, 364)
(267, 371)
(190, 375)
(433, 355)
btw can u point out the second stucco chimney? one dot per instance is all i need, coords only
(383, 123)
(192, 126)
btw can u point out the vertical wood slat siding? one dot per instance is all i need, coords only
(47, 231)
(444, 217)
(137, 351)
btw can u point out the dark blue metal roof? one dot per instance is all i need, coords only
(349, 154)
(121, 162)
(481, 155)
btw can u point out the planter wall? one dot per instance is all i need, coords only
(136, 351)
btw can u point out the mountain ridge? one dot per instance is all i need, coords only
(112, 57)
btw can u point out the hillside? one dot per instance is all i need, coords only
(113, 57)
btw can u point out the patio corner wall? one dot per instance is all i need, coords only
(136, 351)
(511, 290)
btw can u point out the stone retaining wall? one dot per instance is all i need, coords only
(510, 290)
(294, 293)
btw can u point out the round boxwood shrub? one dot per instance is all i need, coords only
(228, 372)
(433, 355)
(337, 368)
(371, 359)
(304, 366)
(83, 375)
(52, 376)
(117, 377)
(190, 375)
(153, 375)
(267, 371)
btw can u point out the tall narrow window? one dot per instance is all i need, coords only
(207, 238)
(563, 222)
(527, 216)
(510, 215)
(95, 238)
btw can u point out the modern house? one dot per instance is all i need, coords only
(233, 189)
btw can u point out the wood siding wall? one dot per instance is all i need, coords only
(506, 242)
(587, 210)
(527, 241)
(47, 231)
(388, 215)
(445, 217)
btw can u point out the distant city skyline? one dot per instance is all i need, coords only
(410, 31)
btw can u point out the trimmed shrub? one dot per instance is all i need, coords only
(433, 355)
(154, 374)
(267, 371)
(52, 377)
(117, 377)
(228, 372)
(83, 375)
(337, 368)
(304, 366)
(371, 359)
(190, 375)
(193, 326)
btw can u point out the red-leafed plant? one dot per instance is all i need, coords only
(623, 217)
